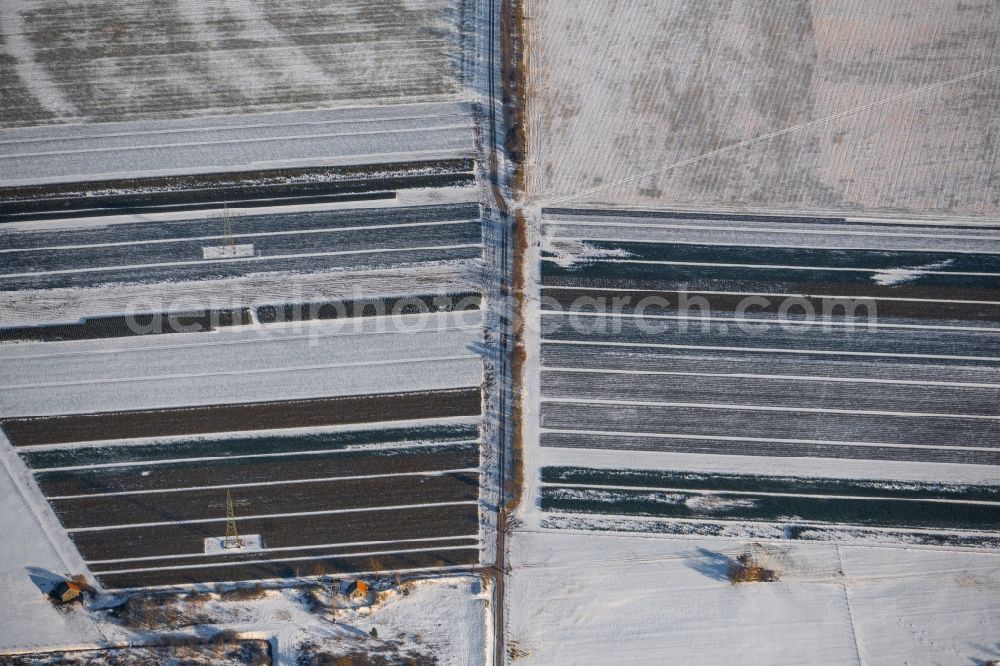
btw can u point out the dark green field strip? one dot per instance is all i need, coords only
(244, 445)
(199, 226)
(57, 198)
(627, 442)
(946, 262)
(817, 337)
(111, 510)
(670, 277)
(768, 484)
(242, 417)
(772, 392)
(369, 307)
(669, 302)
(94, 328)
(323, 550)
(310, 567)
(720, 362)
(275, 245)
(770, 508)
(282, 532)
(727, 421)
(256, 470)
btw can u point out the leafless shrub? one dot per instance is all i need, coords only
(747, 568)
(244, 593)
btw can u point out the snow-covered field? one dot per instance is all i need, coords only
(852, 106)
(593, 598)
(79, 61)
(328, 137)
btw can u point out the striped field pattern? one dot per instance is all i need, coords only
(766, 336)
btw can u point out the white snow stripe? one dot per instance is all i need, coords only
(252, 371)
(198, 521)
(770, 230)
(655, 345)
(312, 452)
(705, 491)
(761, 440)
(227, 128)
(258, 484)
(274, 257)
(706, 292)
(252, 562)
(768, 408)
(803, 378)
(733, 243)
(227, 142)
(193, 239)
(705, 264)
(770, 321)
(272, 330)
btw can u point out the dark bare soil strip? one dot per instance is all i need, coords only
(319, 551)
(244, 445)
(762, 363)
(831, 342)
(769, 484)
(773, 392)
(266, 500)
(318, 566)
(624, 442)
(761, 423)
(242, 417)
(283, 532)
(652, 302)
(211, 204)
(38, 201)
(369, 307)
(762, 279)
(822, 258)
(189, 650)
(198, 226)
(117, 326)
(864, 512)
(256, 470)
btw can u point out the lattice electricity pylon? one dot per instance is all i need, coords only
(227, 229)
(232, 539)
